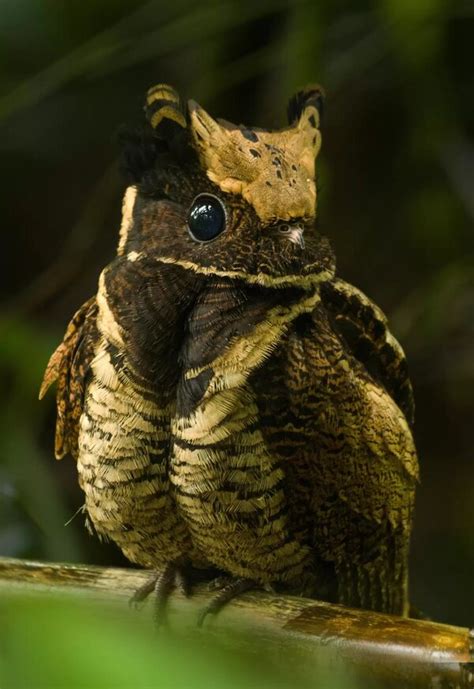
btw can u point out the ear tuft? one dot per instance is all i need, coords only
(163, 110)
(312, 95)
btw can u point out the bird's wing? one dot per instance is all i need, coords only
(350, 462)
(365, 330)
(361, 459)
(69, 367)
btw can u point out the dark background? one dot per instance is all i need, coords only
(396, 181)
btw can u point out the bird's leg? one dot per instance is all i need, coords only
(162, 583)
(232, 587)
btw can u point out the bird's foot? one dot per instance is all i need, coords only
(229, 588)
(175, 575)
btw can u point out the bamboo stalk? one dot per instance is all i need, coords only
(399, 652)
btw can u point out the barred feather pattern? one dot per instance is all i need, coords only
(308, 482)
(69, 366)
(227, 483)
(351, 465)
(232, 402)
(123, 447)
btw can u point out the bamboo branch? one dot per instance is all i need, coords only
(400, 652)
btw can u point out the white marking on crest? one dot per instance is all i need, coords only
(106, 322)
(127, 216)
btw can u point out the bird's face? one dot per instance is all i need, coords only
(227, 200)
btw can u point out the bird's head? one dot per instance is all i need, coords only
(223, 199)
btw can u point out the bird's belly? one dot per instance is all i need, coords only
(123, 446)
(230, 490)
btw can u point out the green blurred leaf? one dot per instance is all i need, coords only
(24, 350)
(52, 643)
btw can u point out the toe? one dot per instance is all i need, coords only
(142, 593)
(230, 591)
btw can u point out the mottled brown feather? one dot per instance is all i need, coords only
(364, 327)
(69, 366)
(232, 402)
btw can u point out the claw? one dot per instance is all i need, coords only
(229, 591)
(162, 583)
(142, 593)
(182, 583)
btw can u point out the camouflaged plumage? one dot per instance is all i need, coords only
(234, 403)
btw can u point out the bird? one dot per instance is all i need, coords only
(231, 402)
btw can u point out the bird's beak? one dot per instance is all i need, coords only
(296, 236)
(294, 233)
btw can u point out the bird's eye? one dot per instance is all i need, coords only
(206, 218)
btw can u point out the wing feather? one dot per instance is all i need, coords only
(68, 367)
(364, 327)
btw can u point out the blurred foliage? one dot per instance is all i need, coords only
(396, 200)
(94, 646)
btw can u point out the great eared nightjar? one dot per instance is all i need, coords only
(231, 403)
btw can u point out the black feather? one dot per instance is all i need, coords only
(139, 150)
(142, 151)
(311, 95)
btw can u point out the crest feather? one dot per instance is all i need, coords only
(163, 108)
(311, 96)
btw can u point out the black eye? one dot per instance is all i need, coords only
(206, 218)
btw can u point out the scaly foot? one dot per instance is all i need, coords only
(230, 588)
(162, 583)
